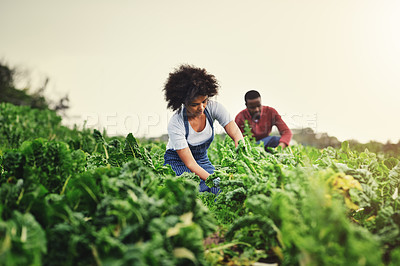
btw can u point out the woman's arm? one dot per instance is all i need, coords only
(188, 159)
(234, 132)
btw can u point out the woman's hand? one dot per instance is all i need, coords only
(213, 181)
(234, 132)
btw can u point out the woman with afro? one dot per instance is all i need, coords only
(190, 130)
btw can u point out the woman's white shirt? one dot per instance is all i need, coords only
(176, 127)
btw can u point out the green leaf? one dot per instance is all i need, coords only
(98, 136)
(131, 148)
(23, 240)
(345, 146)
(184, 253)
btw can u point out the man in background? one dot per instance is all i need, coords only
(261, 119)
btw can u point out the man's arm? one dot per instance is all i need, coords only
(284, 131)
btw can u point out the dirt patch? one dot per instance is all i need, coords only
(215, 239)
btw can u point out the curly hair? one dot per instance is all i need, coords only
(186, 83)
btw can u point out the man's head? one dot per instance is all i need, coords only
(253, 103)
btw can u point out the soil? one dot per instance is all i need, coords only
(215, 238)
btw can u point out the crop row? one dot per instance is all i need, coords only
(78, 197)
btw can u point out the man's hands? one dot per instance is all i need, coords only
(278, 148)
(283, 145)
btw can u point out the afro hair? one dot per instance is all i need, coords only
(186, 83)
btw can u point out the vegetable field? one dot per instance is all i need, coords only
(79, 197)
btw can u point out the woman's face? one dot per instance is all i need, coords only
(197, 106)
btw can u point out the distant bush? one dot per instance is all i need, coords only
(11, 94)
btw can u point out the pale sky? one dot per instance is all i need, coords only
(330, 65)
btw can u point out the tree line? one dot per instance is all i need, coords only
(10, 93)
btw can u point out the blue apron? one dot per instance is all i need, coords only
(199, 152)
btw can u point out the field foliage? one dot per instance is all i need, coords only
(79, 197)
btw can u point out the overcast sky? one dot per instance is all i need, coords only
(330, 65)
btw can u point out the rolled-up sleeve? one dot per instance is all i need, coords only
(284, 131)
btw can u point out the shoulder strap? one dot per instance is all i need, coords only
(209, 118)
(186, 122)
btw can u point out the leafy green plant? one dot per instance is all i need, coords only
(82, 198)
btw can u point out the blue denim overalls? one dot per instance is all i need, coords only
(199, 152)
